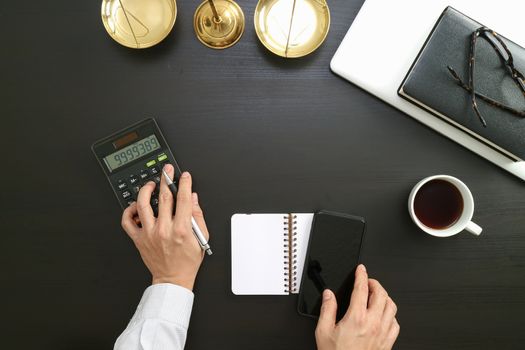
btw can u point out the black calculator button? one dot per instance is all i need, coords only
(154, 170)
(133, 179)
(126, 194)
(155, 192)
(144, 174)
(154, 201)
(156, 179)
(136, 189)
(147, 181)
(122, 185)
(163, 164)
(129, 202)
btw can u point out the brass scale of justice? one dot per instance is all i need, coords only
(288, 28)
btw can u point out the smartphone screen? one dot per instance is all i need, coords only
(333, 255)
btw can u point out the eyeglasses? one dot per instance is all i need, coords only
(506, 56)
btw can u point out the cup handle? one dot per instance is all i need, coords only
(473, 228)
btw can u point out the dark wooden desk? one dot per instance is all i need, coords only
(259, 133)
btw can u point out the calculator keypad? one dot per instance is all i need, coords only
(155, 202)
(126, 194)
(133, 179)
(122, 185)
(154, 170)
(129, 187)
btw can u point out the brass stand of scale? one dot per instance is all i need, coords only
(138, 24)
(218, 24)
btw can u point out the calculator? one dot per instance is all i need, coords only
(132, 157)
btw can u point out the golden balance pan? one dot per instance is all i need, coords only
(292, 28)
(138, 23)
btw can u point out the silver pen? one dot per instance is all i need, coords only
(196, 229)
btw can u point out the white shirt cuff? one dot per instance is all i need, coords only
(167, 302)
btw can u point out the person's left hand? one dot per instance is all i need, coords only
(369, 323)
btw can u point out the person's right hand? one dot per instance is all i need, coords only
(166, 244)
(369, 322)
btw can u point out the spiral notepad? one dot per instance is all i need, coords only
(268, 252)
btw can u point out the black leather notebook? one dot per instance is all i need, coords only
(430, 85)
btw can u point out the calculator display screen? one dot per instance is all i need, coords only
(132, 152)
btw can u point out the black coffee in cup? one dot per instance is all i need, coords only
(438, 204)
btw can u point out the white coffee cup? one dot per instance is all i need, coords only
(464, 222)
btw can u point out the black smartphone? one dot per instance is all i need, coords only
(333, 254)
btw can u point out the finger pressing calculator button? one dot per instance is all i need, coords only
(154, 170)
(133, 179)
(121, 185)
(126, 194)
(144, 174)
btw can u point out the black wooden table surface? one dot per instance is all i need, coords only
(260, 134)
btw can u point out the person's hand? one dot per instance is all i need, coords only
(166, 244)
(369, 322)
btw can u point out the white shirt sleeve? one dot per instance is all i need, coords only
(160, 321)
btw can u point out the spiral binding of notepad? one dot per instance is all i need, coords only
(290, 253)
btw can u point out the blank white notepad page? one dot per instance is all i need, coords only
(259, 256)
